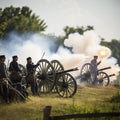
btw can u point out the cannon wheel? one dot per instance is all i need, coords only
(45, 74)
(85, 73)
(66, 85)
(103, 79)
(57, 67)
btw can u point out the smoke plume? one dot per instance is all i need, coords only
(84, 47)
(28, 45)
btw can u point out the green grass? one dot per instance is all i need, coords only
(115, 98)
(86, 100)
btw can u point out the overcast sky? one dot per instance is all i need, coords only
(104, 15)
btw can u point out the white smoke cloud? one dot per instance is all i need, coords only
(68, 59)
(88, 45)
(84, 47)
(33, 45)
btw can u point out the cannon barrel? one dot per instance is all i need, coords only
(65, 71)
(111, 75)
(104, 68)
(43, 75)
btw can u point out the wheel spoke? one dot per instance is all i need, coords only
(68, 85)
(85, 73)
(57, 65)
(103, 79)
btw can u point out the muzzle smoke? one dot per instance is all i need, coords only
(28, 45)
(84, 47)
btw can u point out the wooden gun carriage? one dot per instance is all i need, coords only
(52, 77)
(102, 77)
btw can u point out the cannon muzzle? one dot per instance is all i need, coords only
(104, 68)
(111, 75)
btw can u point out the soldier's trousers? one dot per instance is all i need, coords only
(4, 89)
(34, 88)
(5, 93)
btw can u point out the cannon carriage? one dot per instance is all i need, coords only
(102, 77)
(51, 76)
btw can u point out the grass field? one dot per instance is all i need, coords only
(86, 100)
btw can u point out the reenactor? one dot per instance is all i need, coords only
(94, 69)
(4, 79)
(30, 78)
(15, 72)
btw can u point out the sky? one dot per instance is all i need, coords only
(104, 15)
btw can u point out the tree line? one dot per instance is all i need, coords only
(19, 19)
(24, 20)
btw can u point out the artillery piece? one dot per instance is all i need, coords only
(102, 77)
(51, 75)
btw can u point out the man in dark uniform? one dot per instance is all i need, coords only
(94, 70)
(4, 79)
(31, 75)
(15, 75)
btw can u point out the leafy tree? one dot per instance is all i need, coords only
(19, 19)
(114, 45)
(68, 30)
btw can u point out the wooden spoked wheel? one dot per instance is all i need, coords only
(103, 79)
(57, 67)
(85, 73)
(66, 85)
(45, 75)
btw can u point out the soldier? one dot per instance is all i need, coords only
(30, 78)
(15, 75)
(94, 69)
(4, 79)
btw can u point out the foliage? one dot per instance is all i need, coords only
(68, 30)
(19, 19)
(114, 45)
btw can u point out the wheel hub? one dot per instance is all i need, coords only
(65, 85)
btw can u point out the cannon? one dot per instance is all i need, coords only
(102, 77)
(52, 76)
(104, 68)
